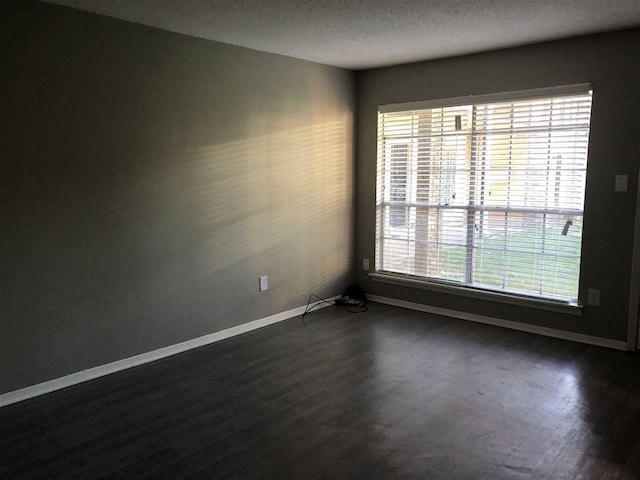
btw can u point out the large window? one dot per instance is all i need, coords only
(485, 192)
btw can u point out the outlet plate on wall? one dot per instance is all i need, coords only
(264, 283)
(593, 297)
(622, 183)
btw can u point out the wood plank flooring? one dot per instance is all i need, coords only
(388, 394)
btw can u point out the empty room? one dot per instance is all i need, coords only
(299, 239)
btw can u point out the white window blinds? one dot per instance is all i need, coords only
(487, 194)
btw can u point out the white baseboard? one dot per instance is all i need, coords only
(102, 370)
(524, 327)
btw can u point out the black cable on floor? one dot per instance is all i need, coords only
(322, 300)
(362, 308)
(351, 308)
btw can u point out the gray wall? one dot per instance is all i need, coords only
(148, 179)
(611, 62)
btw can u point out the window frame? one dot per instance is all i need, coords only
(441, 284)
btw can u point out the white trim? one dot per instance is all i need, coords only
(465, 291)
(498, 322)
(633, 335)
(581, 88)
(102, 370)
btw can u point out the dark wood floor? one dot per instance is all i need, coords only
(388, 394)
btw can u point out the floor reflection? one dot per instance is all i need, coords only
(521, 409)
(388, 394)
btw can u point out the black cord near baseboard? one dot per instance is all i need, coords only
(310, 307)
(349, 306)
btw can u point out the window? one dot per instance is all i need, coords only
(485, 192)
(398, 163)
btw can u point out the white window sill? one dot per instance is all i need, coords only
(513, 299)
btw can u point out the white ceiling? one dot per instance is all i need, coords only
(360, 34)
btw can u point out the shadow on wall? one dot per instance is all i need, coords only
(281, 199)
(166, 243)
(150, 179)
(277, 204)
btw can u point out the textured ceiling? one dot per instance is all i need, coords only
(361, 34)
